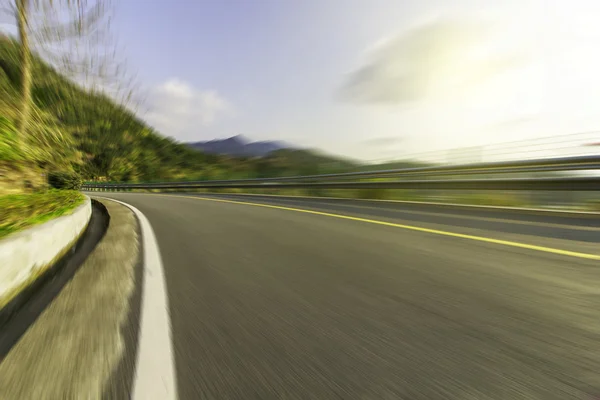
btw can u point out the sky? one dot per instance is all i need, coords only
(368, 79)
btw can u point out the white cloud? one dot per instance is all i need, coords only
(438, 58)
(177, 109)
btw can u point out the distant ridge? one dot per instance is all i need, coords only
(239, 146)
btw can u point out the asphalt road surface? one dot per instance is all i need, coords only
(276, 303)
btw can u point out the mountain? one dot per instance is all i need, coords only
(238, 146)
(265, 147)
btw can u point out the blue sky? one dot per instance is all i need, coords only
(276, 64)
(370, 79)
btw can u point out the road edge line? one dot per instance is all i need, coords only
(155, 363)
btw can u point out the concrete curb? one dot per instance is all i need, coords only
(24, 256)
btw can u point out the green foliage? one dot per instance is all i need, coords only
(23, 210)
(64, 180)
(9, 149)
(48, 143)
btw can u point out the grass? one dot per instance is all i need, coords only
(19, 211)
(593, 205)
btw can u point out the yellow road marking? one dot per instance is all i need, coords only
(445, 214)
(407, 227)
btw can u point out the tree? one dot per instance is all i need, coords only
(73, 37)
(23, 24)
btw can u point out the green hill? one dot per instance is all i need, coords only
(79, 130)
(287, 162)
(87, 132)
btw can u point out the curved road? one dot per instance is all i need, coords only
(277, 303)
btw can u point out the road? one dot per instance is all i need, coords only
(277, 303)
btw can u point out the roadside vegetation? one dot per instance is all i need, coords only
(52, 125)
(19, 211)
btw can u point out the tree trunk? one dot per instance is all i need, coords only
(22, 15)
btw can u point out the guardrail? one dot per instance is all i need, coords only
(325, 181)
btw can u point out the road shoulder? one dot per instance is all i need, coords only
(77, 343)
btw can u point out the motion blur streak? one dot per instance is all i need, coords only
(268, 303)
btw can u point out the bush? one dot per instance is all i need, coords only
(64, 180)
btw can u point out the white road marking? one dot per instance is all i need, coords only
(155, 366)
